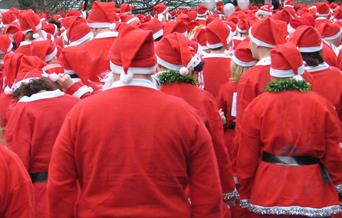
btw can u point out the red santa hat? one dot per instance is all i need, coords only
(268, 33)
(102, 15)
(202, 10)
(329, 31)
(285, 15)
(178, 26)
(51, 53)
(218, 34)
(243, 26)
(242, 55)
(73, 12)
(266, 9)
(78, 32)
(30, 68)
(5, 44)
(307, 39)
(50, 28)
(126, 8)
(51, 71)
(201, 38)
(155, 26)
(160, 8)
(129, 19)
(12, 28)
(176, 52)
(306, 19)
(132, 53)
(286, 61)
(29, 21)
(11, 66)
(8, 17)
(323, 9)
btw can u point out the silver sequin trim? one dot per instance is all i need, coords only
(294, 210)
(339, 188)
(231, 195)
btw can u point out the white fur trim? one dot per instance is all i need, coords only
(334, 36)
(126, 77)
(135, 70)
(240, 30)
(8, 90)
(213, 46)
(243, 63)
(82, 90)
(323, 66)
(259, 42)
(133, 20)
(69, 72)
(158, 34)
(286, 73)
(88, 36)
(166, 10)
(230, 37)
(26, 42)
(310, 49)
(168, 65)
(290, 29)
(42, 95)
(183, 71)
(211, 55)
(38, 27)
(264, 61)
(135, 82)
(19, 83)
(50, 56)
(107, 34)
(51, 66)
(100, 25)
(10, 47)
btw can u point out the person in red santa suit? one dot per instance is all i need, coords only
(16, 192)
(6, 46)
(216, 69)
(326, 80)
(34, 122)
(264, 35)
(289, 163)
(178, 61)
(331, 33)
(147, 149)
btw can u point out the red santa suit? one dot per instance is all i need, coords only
(327, 81)
(329, 55)
(216, 72)
(148, 156)
(339, 60)
(31, 131)
(312, 129)
(6, 102)
(16, 198)
(207, 108)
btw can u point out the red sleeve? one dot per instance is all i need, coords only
(18, 133)
(206, 194)
(62, 186)
(16, 199)
(79, 90)
(248, 151)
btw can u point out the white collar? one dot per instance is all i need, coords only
(213, 55)
(320, 67)
(42, 95)
(26, 42)
(107, 34)
(264, 61)
(135, 82)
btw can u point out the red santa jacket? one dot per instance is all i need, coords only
(16, 198)
(216, 72)
(207, 108)
(339, 60)
(134, 152)
(329, 55)
(289, 123)
(31, 130)
(6, 102)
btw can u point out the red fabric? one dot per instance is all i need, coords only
(6, 102)
(31, 132)
(16, 199)
(216, 72)
(339, 61)
(329, 55)
(134, 151)
(309, 126)
(207, 109)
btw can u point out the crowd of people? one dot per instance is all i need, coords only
(196, 112)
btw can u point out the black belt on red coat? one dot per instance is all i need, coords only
(39, 177)
(295, 161)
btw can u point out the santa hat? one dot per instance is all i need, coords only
(178, 26)
(30, 68)
(51, 71)
(12, 28)
(155, 26)
(243, 26)
(202, 10)
(132, 53)
(78, 32)
(125, 8)
(73, 12)
(5, 44)
(307, 39)
(160, 8)
(285, 15)
(102, 15)
(50, 28)
(305, 19)
(29, 21)
(329, 31)
(129, 19)
(201, 38)
(8, 17)
(265, 9)
(218, 34)
(242, 55)
(51, 53)
(286, 61)
(268, 33)
(11, 66)
(323, 9)
(176, 52)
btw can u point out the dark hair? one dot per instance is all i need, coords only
(312, 58)
(56, 22)
(199, 67)
(34, 86)
(217, 49)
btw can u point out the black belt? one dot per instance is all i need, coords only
(295, 161)
(39, 177)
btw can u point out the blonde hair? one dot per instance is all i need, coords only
(237, 71)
